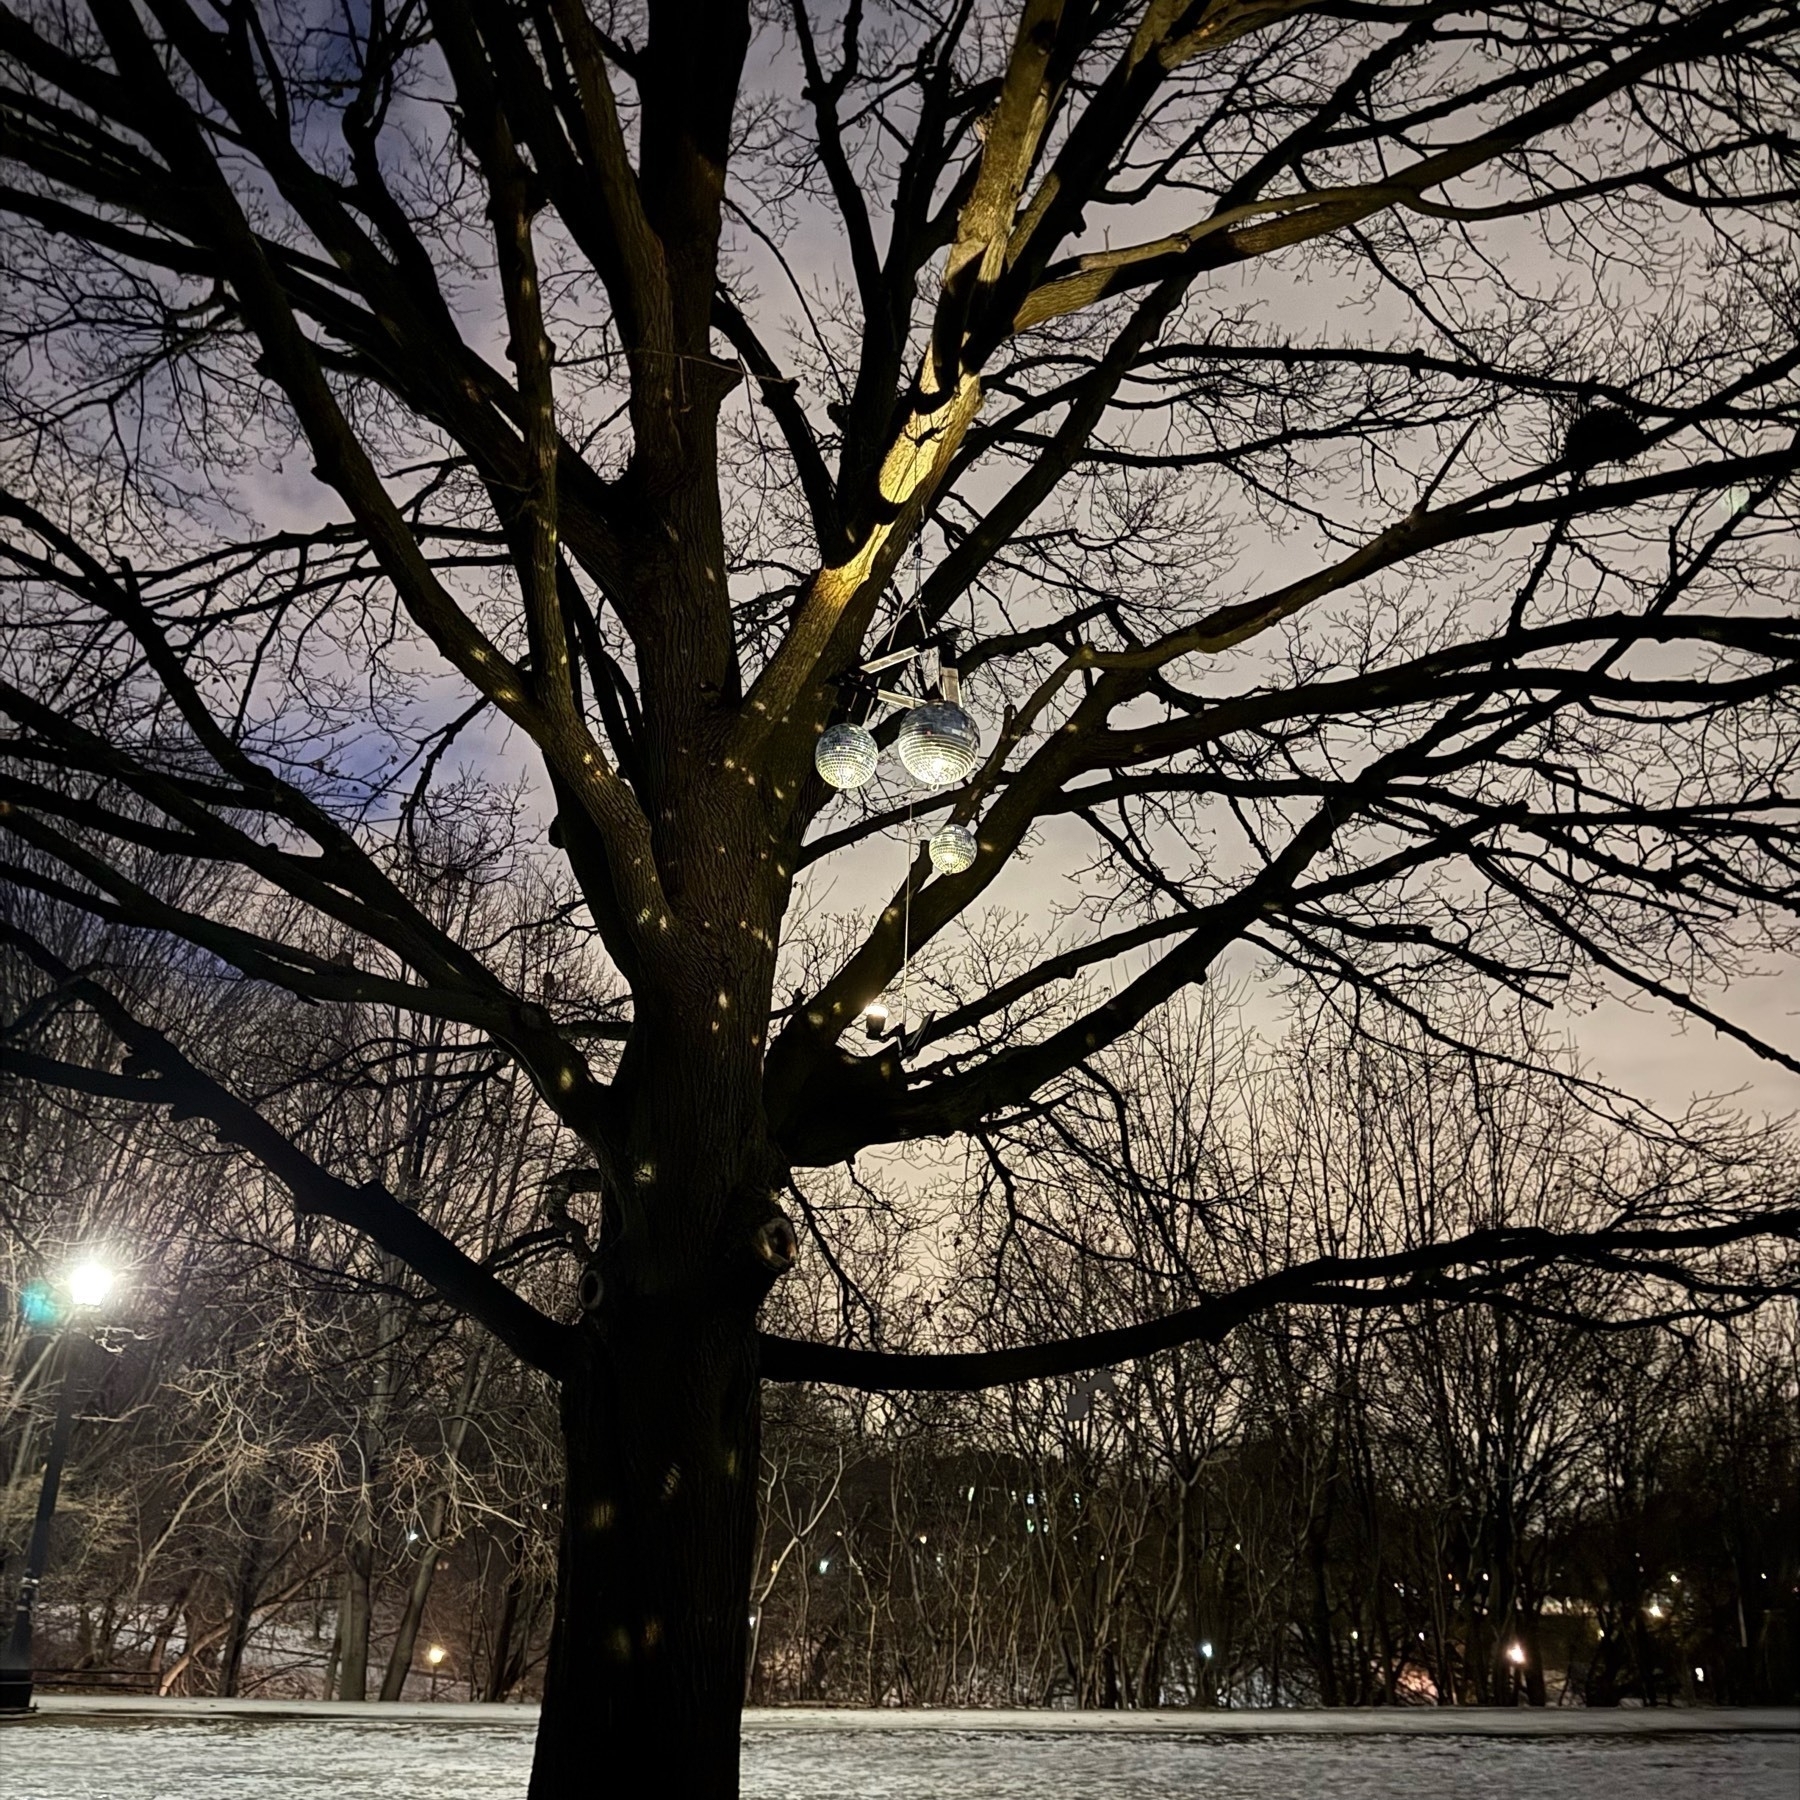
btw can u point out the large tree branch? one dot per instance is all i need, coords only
(1083, 742)
(344, 463)
(1498, 1257)
(780, 394)
(341, 883)
(1258, 226)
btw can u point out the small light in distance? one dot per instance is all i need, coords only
(436, 1654)
(1515, 1654)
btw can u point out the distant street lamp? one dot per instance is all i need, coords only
(90, 1283)
(435, 1657)
(87, 1285)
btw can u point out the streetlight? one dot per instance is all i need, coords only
(87, 1285)
(90, 1283)
(435, 1656)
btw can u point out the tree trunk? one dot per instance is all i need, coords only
(357, 1613)
(328, 1690)
(661, 1400)
(502, 1672)
(243, 1619)
(647, 1656)
(399, 1663)
(399, 1666)
(159, 1643)
(353, 1618)
(1325, 1651)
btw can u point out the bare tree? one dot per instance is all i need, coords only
(1358, 441)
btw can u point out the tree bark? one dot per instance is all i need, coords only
(661, 1425)
(159, 1644)
(335, 1657)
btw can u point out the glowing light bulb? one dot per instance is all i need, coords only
(845, 755)
(875, 1019)
(436, 1654)
(1515, 1654)
(953, 849)
(939, 744)
(90, 1283)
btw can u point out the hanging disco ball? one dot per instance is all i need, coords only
(952, 849)
(938, 743)
(845, 755)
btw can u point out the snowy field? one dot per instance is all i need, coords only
(62, 1756)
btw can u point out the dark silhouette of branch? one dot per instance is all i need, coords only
(1496, 1259)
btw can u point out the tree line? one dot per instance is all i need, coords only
(297, 1472)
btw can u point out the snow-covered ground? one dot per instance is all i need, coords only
(1402, 1721)
(66, 1754)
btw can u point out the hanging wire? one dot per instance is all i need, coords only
(912, 848)
(912, 851)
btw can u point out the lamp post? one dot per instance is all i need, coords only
(435, 1656)
(88, 1285)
